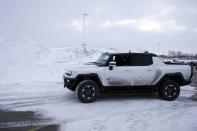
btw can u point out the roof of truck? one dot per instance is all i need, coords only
(132, 53)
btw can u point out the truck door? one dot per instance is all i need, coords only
(142, 69)
(120, 74)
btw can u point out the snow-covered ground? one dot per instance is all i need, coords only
(31, 80)
(114, 112)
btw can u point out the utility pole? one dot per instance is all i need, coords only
(158, 44)
(84, 34)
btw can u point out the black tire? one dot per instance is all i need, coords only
(169, 90)
(159, 92)
(87, 91)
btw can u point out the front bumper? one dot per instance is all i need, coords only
(70, 83)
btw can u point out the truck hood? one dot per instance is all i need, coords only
(83, 69)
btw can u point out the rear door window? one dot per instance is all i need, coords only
(141, 60)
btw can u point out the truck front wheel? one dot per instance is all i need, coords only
(87, 91)
(169, 90)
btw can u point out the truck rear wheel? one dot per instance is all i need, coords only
(87, 91)
(169, 90)
(159, 92)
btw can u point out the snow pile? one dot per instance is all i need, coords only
(23, 60)
(15, 52)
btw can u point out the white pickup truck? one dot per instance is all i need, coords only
(118, 72)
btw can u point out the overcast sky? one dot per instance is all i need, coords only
(122, 24)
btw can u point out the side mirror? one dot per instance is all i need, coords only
(111, 65)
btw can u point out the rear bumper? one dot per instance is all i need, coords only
(192, 72)
(189, 81)
(70, 83)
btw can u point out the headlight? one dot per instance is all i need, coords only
(68, 73)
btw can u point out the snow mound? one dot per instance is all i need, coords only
(25, 60)
(20, 51)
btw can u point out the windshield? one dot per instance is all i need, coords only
(102, 59)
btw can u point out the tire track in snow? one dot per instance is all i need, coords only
(33, 101)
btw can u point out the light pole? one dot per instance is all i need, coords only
(158, 48)
(84, 34)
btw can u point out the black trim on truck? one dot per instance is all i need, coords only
(71, 83)
(130, 89)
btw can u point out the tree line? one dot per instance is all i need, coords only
(179, 55)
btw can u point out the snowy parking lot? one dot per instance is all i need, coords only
(36, 85)
(111, 112)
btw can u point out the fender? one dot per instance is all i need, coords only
(177, 76)
(93, 76)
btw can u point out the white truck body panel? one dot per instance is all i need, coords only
(131, 75)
